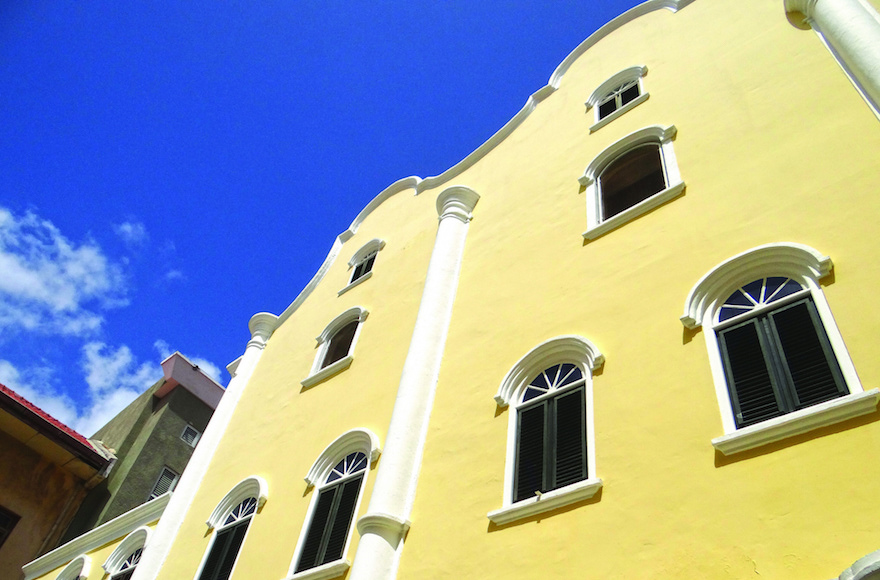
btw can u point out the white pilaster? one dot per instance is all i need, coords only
(261, 326)
(383, 527)
(851, 28)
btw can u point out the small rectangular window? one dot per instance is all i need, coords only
(7, 522)
(190, 435)
(166, 482)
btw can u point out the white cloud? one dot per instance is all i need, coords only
(132, 233)
(209, 368)
(30, 384)
(172, 275)
(50, 284)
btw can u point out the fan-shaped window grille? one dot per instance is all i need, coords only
(126, 570)
(333, 513)
(551, 448)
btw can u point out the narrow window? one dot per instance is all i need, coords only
(227, 542)
(333, 513)
(126, 570)
(340, 343)
(776, 354)
(7, 522)
(190, 435)
(618, 98)
(363, 267)
(551, 450)
(166, 482)
(630, 179)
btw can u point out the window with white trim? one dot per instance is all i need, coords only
(630, 178)
(227, 541)
(338, 475)
(620, 93)
(550, 451)
(78, 569)
(166, 482)
(778, 360)
(361, 263)
(336, 345)
(121, 563)
(126, 570)
(190, 435)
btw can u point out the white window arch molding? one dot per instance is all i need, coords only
(807, 267)
(360, 259)
(674, 186)
(241, 503)
(561, 349)
(355, 441)
(631, 76)
(78, 569)
(319, 371)
(136, 540)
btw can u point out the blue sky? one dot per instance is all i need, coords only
(168, 169)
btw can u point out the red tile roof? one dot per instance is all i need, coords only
(50, 427)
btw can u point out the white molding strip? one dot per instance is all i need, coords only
(116, 528)
(547, 501)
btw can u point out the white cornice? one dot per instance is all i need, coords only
(114, 529)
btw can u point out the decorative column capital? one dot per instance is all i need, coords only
(457, 202)
(800, 12)
(261, 325)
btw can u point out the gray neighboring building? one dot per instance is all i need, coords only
(153, 438)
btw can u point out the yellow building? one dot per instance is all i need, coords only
(639, 342)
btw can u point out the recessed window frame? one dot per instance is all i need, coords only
(562, 349)
(253, 488)
(611, 89)
(175, 477)
(319, 371)
(807, 267)
(351, 442)
(195, 439)
(364, 258)
(657, 135)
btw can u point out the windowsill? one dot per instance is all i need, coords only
(632, 104)
(821, 415)
(322, 572)
(327, 372)
(360, 280)
(548, 501)
(635, 211)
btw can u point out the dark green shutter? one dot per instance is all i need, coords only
(309, 556)
(571, 441)
(749, 381)
(807, 356)
(529, 476)
(341, 522)
(224, 551)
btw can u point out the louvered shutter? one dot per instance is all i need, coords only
(308, 557)
(749, 380)
(165, 483)
(125, 575)
(530, 452)
(341, 520)
(215, 557)
(570, 437)
(807, 356)
(236, 537)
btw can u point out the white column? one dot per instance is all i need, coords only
(261, 326)
(852, 30)
(383, 527)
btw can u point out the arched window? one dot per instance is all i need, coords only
(620, 93)
(336, 345)
(338, 475)
(230, 521)
(124, 559)
(361, 263)
(551, 455)
(779, 362)
(630, 178)
(77, 569)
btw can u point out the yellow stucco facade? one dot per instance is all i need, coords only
(774, 145)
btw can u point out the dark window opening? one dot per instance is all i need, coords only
(363, 267)
(619, 97)
(331, 521)
(340, 344)
(778, 362)
(221, 559)
(7, 522)
(631, 179)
